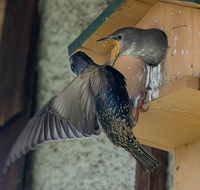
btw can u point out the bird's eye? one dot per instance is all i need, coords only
(119, 37)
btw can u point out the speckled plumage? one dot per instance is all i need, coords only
(114, 113)
(149, 45)
(96, 98)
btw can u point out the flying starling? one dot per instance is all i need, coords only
(96, 99)
(149, 45)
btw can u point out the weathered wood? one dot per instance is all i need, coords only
(187, 166)
(2, 12)
(13, 56)
(155, 180)
(17, 64)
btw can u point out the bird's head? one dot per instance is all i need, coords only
(79, 61)
(122, 39)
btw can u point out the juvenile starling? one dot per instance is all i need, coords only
(149, 45)
(96, 99)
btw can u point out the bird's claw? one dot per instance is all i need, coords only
(140, 102)
(144, 110)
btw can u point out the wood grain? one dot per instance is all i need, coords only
(187, 166)
(174, 119)
(155, 180)
(13, 57)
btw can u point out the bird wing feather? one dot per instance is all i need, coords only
(68, 115)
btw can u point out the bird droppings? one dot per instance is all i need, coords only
(186, 51)
(154, 80)
(104, 45)
(130, 15)
(156, 20)
(189, 42)
(182, 52)
(174, 52)
(188, 28)
(185, 57)
(180, 11)
(171, 13)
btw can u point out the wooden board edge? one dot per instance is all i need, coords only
(184, 82)
(94, 26)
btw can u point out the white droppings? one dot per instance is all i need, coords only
(156, 20)
(129, 67)
(174, 52)
(175, 39)
(171, 13)
(199, 33)
(185, 57)
(186, 51)
(182, 51)
(189, 42)
(188, 28)
(104, 45)
(133, 78)
(180, 11)
(155, 81)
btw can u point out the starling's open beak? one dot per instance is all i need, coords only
(117, 46)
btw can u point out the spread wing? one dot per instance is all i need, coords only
(69, 115)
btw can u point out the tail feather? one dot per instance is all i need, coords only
(146, 160)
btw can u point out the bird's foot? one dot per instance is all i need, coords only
(140, 102)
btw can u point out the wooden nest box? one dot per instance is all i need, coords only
(172, 122)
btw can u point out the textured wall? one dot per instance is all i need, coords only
(80, 164)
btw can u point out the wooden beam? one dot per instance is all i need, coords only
(187, 166)
(17, 63)
(155, 180)
(2, 12)
(13, 56)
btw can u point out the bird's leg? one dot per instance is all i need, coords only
(140, 102)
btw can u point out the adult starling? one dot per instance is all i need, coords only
(96, 99)
(149, 45)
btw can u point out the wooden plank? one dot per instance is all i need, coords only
(187, 167)
(155, 180)
(13, 56)
(177, 111)
(24, 75)
(2, 12)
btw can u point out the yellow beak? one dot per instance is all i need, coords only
(117, 46)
